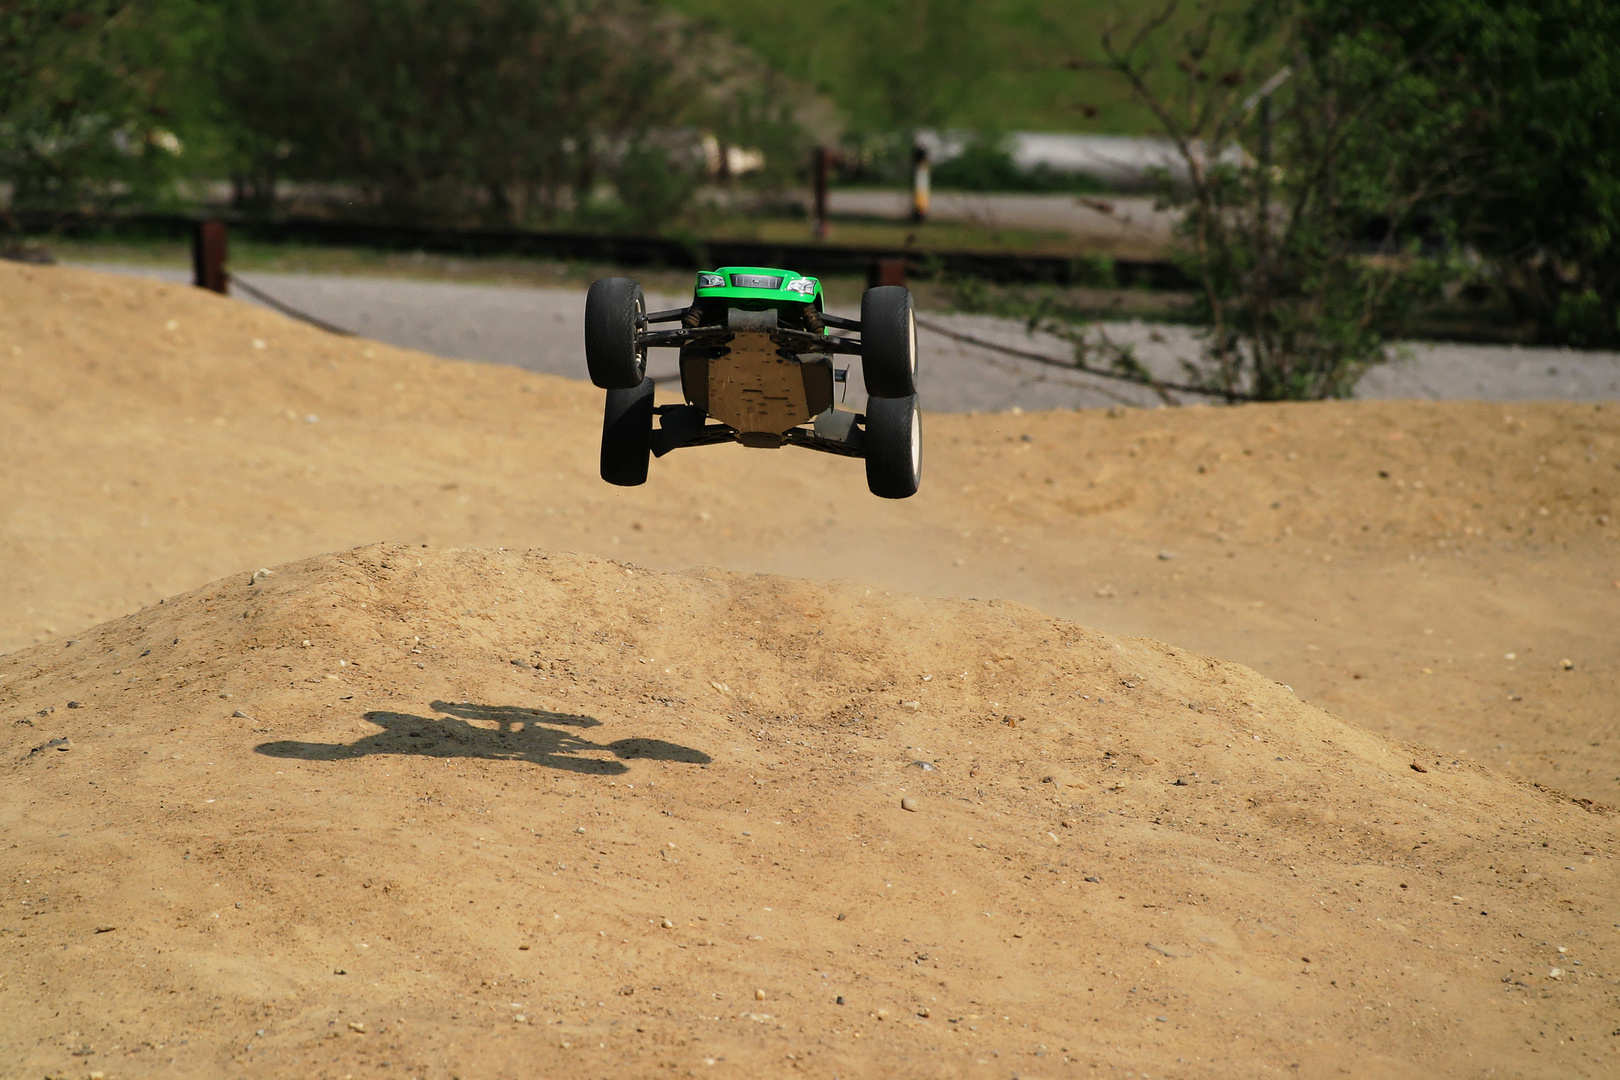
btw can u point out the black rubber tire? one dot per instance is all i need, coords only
(627, 424)
(614, 311)
(888, 342)
(893, 447)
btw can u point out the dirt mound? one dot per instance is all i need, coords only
(486, 813)
(1423, 569)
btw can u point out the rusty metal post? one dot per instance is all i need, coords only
(823, 162)
(208, 257)
(919, 184)
(886, 272)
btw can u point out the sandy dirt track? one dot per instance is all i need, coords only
(1381, 558)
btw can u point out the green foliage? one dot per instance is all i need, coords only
(746, 104)
(504, 109)
(982, 64)
(654, 187)
(986, 165)
(92, 112)
(1541, 86)
(1302, 215)
(919, 60)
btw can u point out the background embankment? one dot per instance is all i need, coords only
(1423, 569)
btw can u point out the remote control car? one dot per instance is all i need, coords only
(756, 354)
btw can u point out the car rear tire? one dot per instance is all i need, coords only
(888, 342)
(627, 424)
(614, 311)
(893, 446)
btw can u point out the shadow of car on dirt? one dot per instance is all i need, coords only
(519, 734)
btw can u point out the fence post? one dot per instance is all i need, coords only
(920, 185)
(823, 160)
(886, 272)
(208, 257)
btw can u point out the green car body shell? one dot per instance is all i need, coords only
(756, 288)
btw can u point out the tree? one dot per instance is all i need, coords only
(1542, 86)
(444, 108)
(95, 104)
(1305, 161)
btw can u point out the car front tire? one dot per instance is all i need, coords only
(614, 311)
(888, 342)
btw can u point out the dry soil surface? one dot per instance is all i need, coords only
(443, 810)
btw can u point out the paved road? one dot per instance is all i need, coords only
(539, 329)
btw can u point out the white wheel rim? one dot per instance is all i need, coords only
(916, 442)
(911, 321)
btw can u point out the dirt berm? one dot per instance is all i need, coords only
(423, 812)
(437, 840)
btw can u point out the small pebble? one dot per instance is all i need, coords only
(840, 999)
(908, 803)
(355, 1025)
(1094, 880)
(1166, 556)
(925, 766)
(667, 925)
(759, 995)
(1567, 665)
(923, 1012)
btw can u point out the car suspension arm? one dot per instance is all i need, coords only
(715, 336)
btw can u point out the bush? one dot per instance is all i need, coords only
(1542, 90)
(94, 99)
(1313, 162)
(504, 110)
(986, 165)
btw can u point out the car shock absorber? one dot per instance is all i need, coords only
(809, 318)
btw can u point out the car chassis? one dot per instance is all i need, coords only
(756, 352)
(835, 431)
